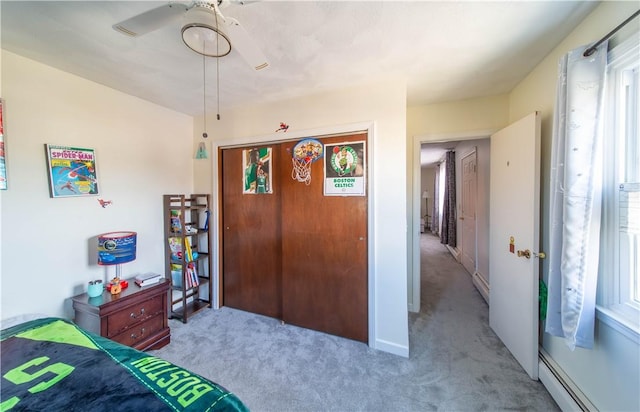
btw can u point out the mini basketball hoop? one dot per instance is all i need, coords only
(301, 171)
(305, 152)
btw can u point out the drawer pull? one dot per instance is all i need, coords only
(134, 336)
(133, 315)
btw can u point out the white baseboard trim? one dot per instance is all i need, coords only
(561, 388)
(481, 284)
(455, 252)
(392, 348)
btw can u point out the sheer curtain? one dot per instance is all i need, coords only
(435, 212)
(448, 233)
(576, 179)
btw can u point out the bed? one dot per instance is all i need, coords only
(53, 364)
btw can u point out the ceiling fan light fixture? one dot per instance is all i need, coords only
(201, 33)
(201, 38)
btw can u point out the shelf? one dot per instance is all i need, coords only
(186, 291)
(176, 234)
(181, 212)
(201, 256)
(189, 292)
(191, 309)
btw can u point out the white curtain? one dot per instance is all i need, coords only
(576, 180)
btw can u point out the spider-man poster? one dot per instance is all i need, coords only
(72, 171)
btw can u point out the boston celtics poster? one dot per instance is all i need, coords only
(345, 169)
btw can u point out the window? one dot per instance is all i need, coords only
(619, 275)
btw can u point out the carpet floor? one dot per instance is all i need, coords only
(456, 362)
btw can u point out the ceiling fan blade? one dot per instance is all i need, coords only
(238, 2)
(244, 44)
(151, 20)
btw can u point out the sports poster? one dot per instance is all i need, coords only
(3, 165)
(345, 169)
(256, 165)
(72, 171)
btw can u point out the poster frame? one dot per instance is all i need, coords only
(71, 170)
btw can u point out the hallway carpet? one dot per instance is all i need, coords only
(456, 362)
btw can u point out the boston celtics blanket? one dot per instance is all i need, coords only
(51, 364)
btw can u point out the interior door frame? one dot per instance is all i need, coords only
(216, 216)
(413, 275)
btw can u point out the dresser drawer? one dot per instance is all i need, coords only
(140, 332)
(131, 315)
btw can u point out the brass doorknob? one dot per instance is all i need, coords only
(524, 253)
(527, 254)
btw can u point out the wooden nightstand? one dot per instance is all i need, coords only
(136, 317)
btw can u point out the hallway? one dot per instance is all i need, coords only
(452, 334)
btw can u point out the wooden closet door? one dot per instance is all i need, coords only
(324, 253)
(251, 240)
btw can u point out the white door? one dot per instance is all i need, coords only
(514, 227)
(468, 213)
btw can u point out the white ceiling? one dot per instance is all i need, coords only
(446, 51)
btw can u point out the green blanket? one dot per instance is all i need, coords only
(52, 364)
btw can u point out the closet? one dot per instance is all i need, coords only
(295, 254)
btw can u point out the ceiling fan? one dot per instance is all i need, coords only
(205, 30)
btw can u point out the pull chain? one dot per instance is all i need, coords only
(218, 67)
(204, 91)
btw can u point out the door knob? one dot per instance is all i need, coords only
(527, 254)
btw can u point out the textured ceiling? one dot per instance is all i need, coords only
(444, 50)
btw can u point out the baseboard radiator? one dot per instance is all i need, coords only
(561, 388)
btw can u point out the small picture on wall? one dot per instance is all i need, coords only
(72, 171)
(3, 165)
(345, 169)
(256, 164)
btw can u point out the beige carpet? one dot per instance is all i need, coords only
(456, 362)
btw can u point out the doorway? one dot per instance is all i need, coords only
(463, 144)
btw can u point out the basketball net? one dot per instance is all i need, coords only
(301, 170)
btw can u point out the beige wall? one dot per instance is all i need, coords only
(142, 151)
(381, 106)
(451, 121)
(610, 373)
(453, 117)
